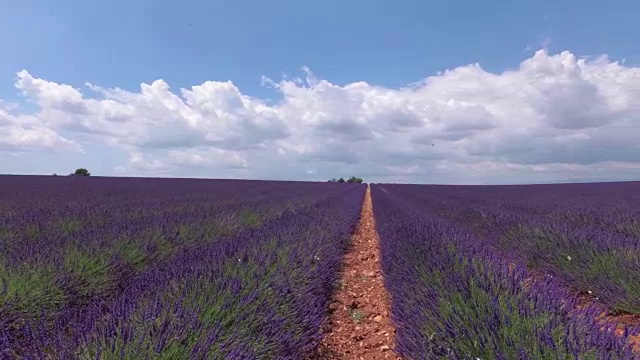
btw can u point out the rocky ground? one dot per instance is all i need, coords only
(359, 326)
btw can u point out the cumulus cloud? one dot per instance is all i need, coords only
(19, 133)
(554, 116)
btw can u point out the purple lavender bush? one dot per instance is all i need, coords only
(454, 297)
(167, 268)
(588, 235)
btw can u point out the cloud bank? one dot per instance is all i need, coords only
(555, 117)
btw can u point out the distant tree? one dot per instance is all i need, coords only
(81, 172)
(352, 179)
(54, 174)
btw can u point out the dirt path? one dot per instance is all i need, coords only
(359, 326)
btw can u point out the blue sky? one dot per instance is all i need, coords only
(388, 45)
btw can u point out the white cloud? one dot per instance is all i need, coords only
(206, 158)
(23, 133)
(551, 118)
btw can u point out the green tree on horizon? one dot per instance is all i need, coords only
(81, 172)
(352, 179)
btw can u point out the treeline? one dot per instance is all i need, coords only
(78, 172)
(352, 179)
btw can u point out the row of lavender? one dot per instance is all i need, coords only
(135, 220)
(588, 235)
(453, 297)
(78, 239)
(153, 268)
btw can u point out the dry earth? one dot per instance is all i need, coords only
(359, 326)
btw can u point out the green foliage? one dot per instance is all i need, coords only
(471, 308)
(33, 231)
(81, 172)
(69, 226)
(162, 247)
(352, 179)
(5, 234)
(91, 269)
(250, 218)
(131, 253)
(631, 229)
(356, 315)
(614, 267)
(29, 289)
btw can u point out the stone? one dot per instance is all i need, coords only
(369, 273)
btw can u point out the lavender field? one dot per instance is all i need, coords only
(131, 268)
(107, 268)
(511, 272)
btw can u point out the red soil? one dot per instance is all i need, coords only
(359, 326)
(620, 321)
